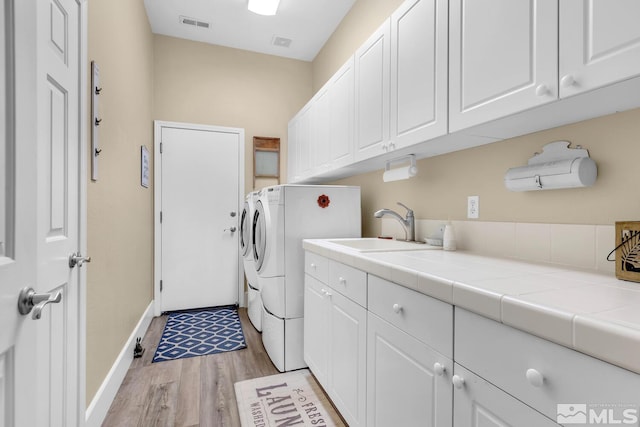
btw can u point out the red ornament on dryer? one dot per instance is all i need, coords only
(323, 201)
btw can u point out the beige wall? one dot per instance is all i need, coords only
(362, 20)
(443, 183)
(215, 85)
(120, 211)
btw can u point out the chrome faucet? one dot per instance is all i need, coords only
(408, 222)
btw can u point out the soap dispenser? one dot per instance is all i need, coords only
(449, 238)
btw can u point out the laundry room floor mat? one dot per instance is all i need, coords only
(200, 332)
(292, 398)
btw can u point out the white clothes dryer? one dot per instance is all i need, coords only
(284, 216)
(254, 301)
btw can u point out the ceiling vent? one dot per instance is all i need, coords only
(193, 22)
(281, 41)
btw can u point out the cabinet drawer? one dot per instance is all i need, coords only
(514, 361)
(316, 266)
(423, 317)
(480, 403)
(349, 281)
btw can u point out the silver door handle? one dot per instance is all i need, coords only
(28, 300)
(77, 259)
(232, 229)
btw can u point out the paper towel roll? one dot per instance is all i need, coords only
(396, 174)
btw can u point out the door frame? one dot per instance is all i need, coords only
(83, 152)
(157, 199)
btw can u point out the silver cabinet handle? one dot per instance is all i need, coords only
(77, 259)
(28, 300)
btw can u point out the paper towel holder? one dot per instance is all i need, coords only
(558, 166)
(402, 172)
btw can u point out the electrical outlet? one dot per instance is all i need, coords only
(473, 207)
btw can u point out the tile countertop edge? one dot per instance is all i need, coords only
(608, 341)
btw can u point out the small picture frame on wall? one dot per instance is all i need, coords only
(628, 250)
(144, 166)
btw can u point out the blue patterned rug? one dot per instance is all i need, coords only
(200, 332)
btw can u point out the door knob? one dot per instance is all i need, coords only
(77, 259)
(567, 81)
(458, 381)
(534, 377)
(542, 90)
(28, 300)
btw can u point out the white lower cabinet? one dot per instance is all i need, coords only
(335, 334)
(478, 403)
(541, 374)
(347, 358)
(385, 355)
(408, 383)
(316, 333)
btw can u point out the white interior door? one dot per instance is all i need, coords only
(200, 199)
(40, 212)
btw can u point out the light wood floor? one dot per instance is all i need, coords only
(196, 391)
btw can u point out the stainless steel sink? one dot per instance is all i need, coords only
(381, 245)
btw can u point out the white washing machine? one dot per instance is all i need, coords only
(284, 215)
(254, 301)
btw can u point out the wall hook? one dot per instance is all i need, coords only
(98, 90)
(97, 121)
(97, 152)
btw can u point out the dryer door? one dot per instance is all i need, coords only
(259, 235)
(245, 230)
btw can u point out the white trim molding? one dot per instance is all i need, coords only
(97, 410)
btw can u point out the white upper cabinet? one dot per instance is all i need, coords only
(320, 150)
(292, 151)
(341, 113)
(372, 68)
(303, 142)
(418, 72)
(599, 43)
(503, 58)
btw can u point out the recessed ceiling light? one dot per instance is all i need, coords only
(263, 7)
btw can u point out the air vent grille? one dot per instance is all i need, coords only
(281, 41)
(193, 22)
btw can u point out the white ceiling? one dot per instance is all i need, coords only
(308, 23)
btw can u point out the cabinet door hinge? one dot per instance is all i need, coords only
(161, 148)
(160, 285)
(160, 217)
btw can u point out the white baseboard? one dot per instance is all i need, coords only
(97, 410)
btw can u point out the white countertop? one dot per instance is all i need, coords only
(590, 312)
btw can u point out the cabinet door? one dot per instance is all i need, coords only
(292, 151)
(372, 62)
(316, 331)
(320, 150)
(347, 358)
(599, 43)
(341, 113)
(418, 72)
(304, 142)
(503, 58)
(402, 387)
(480, 403)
